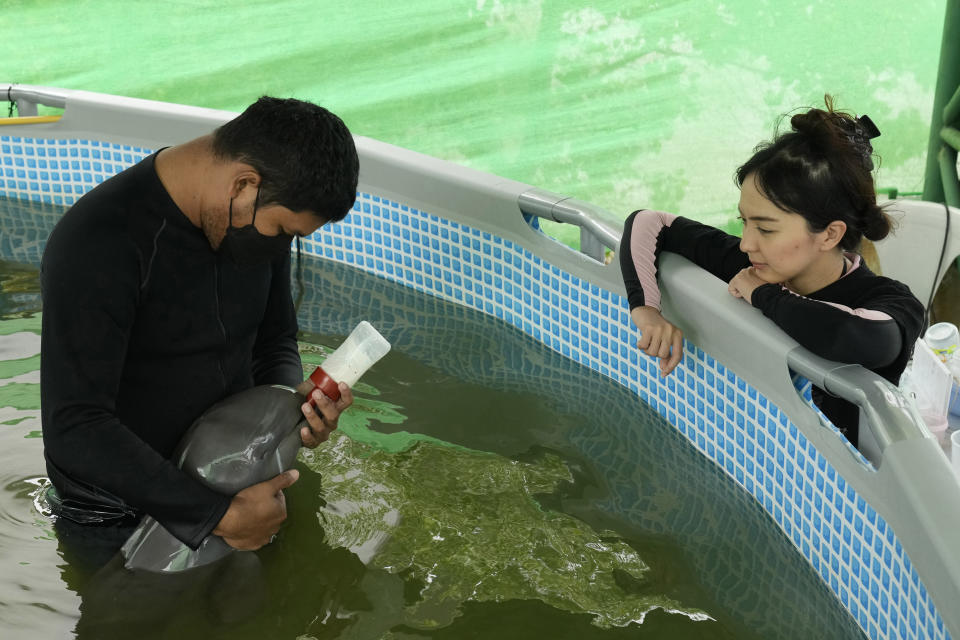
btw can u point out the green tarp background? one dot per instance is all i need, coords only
(626, 104)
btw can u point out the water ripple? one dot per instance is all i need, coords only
(36, 601)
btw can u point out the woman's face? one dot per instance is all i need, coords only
(779, 243)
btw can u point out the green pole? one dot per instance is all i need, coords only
(948, 82)
(948, 174)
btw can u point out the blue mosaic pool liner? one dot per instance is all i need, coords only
(850, 546)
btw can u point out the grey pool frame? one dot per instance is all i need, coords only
(903, 477)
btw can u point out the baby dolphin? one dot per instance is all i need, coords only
(243, 440)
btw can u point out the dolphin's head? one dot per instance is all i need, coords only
(233, 444)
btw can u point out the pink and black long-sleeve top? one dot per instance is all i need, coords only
(862, 318)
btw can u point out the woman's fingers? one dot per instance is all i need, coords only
(643, 343)
(676, 354)
(664, 351)
(653, 341)
(659, 338)
(663, 343)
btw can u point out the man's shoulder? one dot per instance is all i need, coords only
(114, 212)
(90, 226)
(115, 197)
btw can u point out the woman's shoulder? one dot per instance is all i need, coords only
(873, 282)
(861, 287)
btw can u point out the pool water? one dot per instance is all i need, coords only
(481, 486)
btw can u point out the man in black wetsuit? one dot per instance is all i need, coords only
(167, 289)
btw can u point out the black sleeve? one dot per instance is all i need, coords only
(631, 281)
(276, 358)
(839, 333)
(709, 248)
(90, 281)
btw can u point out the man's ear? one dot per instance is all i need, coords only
(832, 235)
(245, 178)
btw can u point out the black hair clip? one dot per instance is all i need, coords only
(870, 130)
(859, 132)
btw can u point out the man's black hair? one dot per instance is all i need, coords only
(304, 154)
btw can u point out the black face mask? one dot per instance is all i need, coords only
(245, 245)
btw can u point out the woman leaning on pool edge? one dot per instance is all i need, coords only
(806, 200)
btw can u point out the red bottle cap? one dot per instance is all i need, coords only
(327, 385)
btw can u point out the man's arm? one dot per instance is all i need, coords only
(276, 358)
(90, 281)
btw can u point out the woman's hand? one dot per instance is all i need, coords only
(658, 338)
(743, 284)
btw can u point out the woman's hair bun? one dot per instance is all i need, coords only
(815, 122)
(831, 131)
(876, 223)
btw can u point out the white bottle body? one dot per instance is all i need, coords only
(361, 349)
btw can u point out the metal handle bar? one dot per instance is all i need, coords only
(596, 234)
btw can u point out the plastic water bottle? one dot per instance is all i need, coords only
(362, 348)
(943, 339)
(953, 365)
(248, 438)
